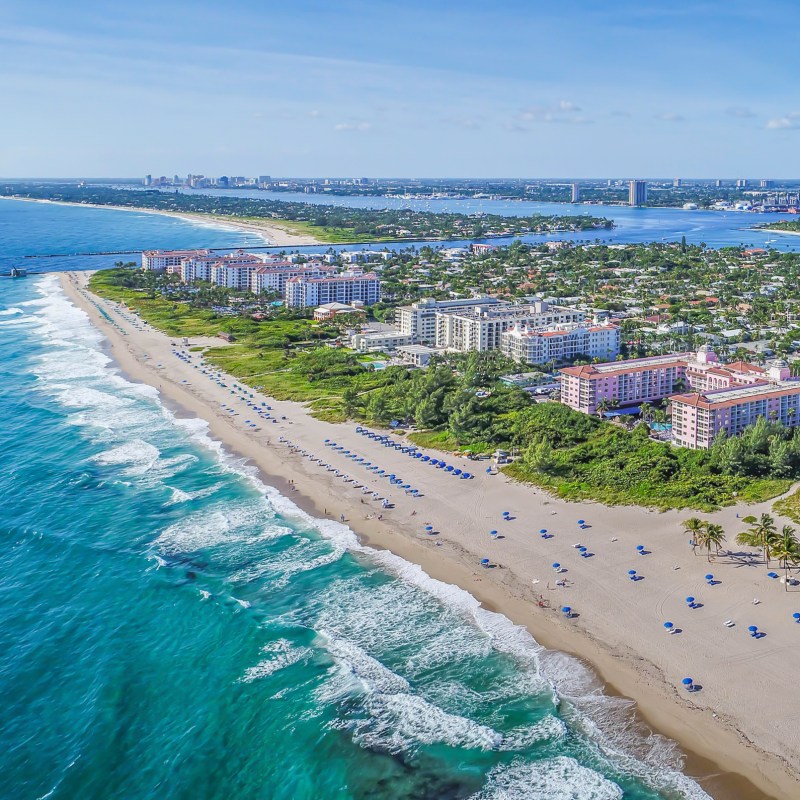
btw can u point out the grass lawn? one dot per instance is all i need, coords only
(789, 506)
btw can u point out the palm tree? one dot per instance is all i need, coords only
(693, 526)
(786, 548)
(761, 534)
(602, 407)
(712, 536)
(646, 411)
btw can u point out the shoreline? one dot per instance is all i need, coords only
(273, 235)
(709, 742)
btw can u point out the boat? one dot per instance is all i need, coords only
(17, 272)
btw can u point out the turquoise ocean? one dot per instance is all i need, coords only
(171, 627)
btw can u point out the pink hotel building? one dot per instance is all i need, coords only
(725, 397)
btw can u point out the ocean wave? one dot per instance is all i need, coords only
(281, 654)
(560, 778)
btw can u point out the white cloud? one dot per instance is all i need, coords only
(671, 116)
(790, 121)
(564, 112)
(352, 126)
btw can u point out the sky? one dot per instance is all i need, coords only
(419, 88)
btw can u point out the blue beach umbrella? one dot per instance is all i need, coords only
(640, 547)
(556, 566)
(484, 562)
(429, 528)
(709, 577)
(581, 522)
(796, 616)
(772, 575)
(492, 533)
(690, 600)
(631, 572)
(543, 530)
(753, 629)
(668, 626)
(687, 682)
(567, 610)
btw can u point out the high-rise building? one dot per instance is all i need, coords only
(148, 180)
(637, 193)
(741, 183)
(718, 183)
(765, 183)
(676, 183)
(576, 193)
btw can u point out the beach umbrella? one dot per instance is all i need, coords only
(772, 574)
(484, 562)
(581, 522)
(488, 470)
(631, 572)
(456, 471)
(429, 528)
(505, 513)
(567, 611)
(583, 550)
(448, 468)
(640, 548)
(492, 533)
(688, 683)
(543, 530)
(690, 600)
(556, 566)
(710, 578)
(796, 616)
(669, 626)
(753, 629)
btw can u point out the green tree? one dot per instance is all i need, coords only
(761, 534)
(786, 549)
(694, 526)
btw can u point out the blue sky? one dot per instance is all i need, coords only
(575, 88)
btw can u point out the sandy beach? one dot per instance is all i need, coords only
(273, 233)
(742, 721)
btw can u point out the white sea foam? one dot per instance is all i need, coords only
(7, 312)
(243, 523)
(281, 654)
(136, 452)
(402, 722)
(559, 778)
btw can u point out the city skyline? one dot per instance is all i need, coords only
(366, 89)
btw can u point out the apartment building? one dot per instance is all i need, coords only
(698, 418)
(161, 260)
(481, 327)
(273, 278)
(419, 319)
(560, 343)
(302, 292)
(629, 382)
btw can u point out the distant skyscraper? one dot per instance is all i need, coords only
(765, 183)
(264, 179)
(637, 193)
(576, 193)
(718, 183)
(741, 183)
(148, 180)
(676, 183)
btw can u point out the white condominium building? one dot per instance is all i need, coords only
(273, 278)
(480, 328)
(560, 343)
(419, 319)
(302, 292)
(160, 260)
